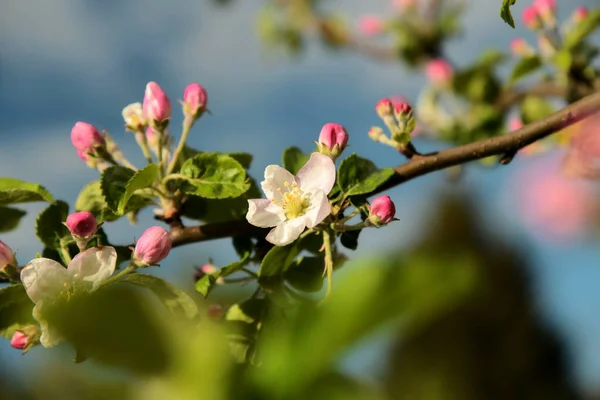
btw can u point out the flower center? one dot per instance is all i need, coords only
(293, 202)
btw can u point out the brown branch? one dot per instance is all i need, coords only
(498, 145)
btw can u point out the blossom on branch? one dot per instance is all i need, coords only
(293, 202)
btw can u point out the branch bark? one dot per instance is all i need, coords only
(498, 145)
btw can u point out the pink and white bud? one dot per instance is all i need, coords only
(194, 100)
(333, 139)
(19, 340)
(371, 25)
(546, 10)
(134, 117)
(580, 14)
(156, 106)
(520, 47)
(439, 71)
(82, 224)
(152, 247)
(7, 256)
(382, 211)
(377, 134)
(384, 108)
(86, 138)
(531, 18)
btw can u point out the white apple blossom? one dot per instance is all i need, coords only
(293, 202)
(47, 282)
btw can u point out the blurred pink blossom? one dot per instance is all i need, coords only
(552, 204)
(520, 47)
(439, 71)
(371, 25)
(531, 18)
(404, 4)
(583, 155)
(580, 14)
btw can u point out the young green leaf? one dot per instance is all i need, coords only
(358, 175)
(206, 284)
(505, 12)
(142, 179)
(49, 224)
(13, 191)
(15, 309)
(278, 260)
(214, 176)
(10, 218)
(114, 185)
(524, 67)
(293, 159)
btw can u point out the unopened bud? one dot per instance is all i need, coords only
(439, 71)
(152, 247)
(86, 139)
(134, 117)
(520, 47)
(371, 25)
(384, 108)
(25, 338)
(580, 14)
(8, 262)
(546, 10)
(194, 101)
(531, 18)
(83, 226)
(377, 134)
(19, 340)
(382, 211)
(156, 106)
(333, 139)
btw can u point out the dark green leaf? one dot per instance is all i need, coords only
(142, 179)
(10, 218)
(349, 239)
(524, 67)
(214, 176)
(15, 309)
(278, 259)
(49, 224)
(13, 191)
(91, 199)
(306, 274)
(358, 175)
(505, 12)
(243, 245)
(176, 300)
(294, 159)
(114, 185)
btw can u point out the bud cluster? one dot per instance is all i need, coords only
(398, 116)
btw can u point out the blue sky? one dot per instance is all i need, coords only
(65, 61)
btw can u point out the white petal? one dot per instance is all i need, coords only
(44, 278)
(286, 232)
(263, 213)
(50, 337)
(275, 178)
(317, 173)
(93, 265)
(319, 209)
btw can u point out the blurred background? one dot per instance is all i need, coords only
(64, 61)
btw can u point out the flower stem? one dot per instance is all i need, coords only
(187, 127)
(128, 270)
(142, 141)
(64, 252)
(161, 171)
(328, 263)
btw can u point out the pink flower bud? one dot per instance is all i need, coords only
(153, 246)
(580, 14)
(382, 211)
(215, 311)
(156, 106)
(371, 25)
(402, 108)
(7, 256)
(520, 47)
(86, 138)
(531, 19)
(332, 139)
(19, 340)
(439, 71)
(194, 100)
(546, 9)
(82, 224)
(384, 108)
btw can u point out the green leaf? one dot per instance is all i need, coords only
(13, 191)
(49, 224)
(10, 218)
(278, 259)
(214, 176)
(206, 284)
(294, 159)
(505, 12)
(358, 175)
(563, 60)
(306, 274)
(176, 300)
(535, 108)
(583, 29)
(91, 199)
(142, 179)
(524, 67)
(15, 309)
(114, 185)
(349, 239)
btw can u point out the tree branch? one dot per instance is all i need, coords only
(498, 145)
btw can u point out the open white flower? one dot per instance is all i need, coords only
(46, 282)
(293, 203)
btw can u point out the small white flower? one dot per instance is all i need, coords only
(293, 203)
(46, 281)
(134, 116)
